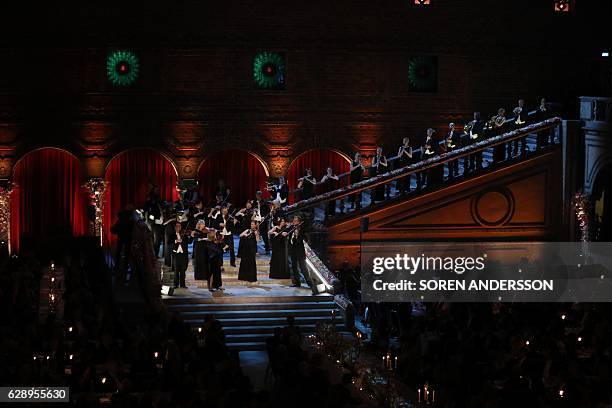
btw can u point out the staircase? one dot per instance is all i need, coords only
(249, 321)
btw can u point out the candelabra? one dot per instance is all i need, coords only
(96, 188)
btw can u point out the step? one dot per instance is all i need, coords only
(213, 307)
(173, 300)
(305, 328)
(237, 282)
(254, 346)
(256, 314)
(264, 321)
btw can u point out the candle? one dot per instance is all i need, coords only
(433, 396)
(103, 380)
(395, 362)
(156, 354)
(419, 395)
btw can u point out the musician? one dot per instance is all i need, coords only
(169, 221)
(276, 211)
(330, 183)
(226, 225)
(307, 184)
(201, 269)
(214, 213)
(280, 191)
(262, 209)
(379, 166)
(215, 248)
(279, 263)
(180, 254)
(195, 214)
(451, 143)
(519, 120)
(429, 151)
(154, 216)
(244, 216)
(223, 191)
(541, 114)
(356, 176)
(297, 254)
(476, 132)
(404, 158)
(248, 242)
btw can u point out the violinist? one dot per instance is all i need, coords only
(297, 254)
(215, 247)
(180, 254)
(248, 243)
(225, 224)
(201, 269)
(262, 210)
(279, 263)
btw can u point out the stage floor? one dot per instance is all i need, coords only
(234, 288)
(233, 292)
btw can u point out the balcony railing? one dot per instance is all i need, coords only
(498, 149)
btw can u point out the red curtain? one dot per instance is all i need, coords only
(48, 199)
(242, 172)
(129, 177)
(317, 160)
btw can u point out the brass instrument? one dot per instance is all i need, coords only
(517, 112)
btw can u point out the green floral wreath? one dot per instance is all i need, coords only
(423, 74)
(269, 70)
(122, 67)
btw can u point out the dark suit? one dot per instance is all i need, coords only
(264, 210)
(227, 239)
(453, 166)
(476, 158)
(180, 255)
(297, 254)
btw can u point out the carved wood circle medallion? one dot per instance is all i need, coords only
(493, 207)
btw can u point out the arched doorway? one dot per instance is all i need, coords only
(130, 176)
(318, 160)
(243, 172)
(48, 200)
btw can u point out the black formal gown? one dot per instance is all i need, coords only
(279, 263)
(201, 268)
(248, 266)
(215, 260)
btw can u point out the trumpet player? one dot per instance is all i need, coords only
(520, 119)
(475, 131)
(451, 143)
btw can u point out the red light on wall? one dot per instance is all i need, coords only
(562, 6)
(422, 2)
